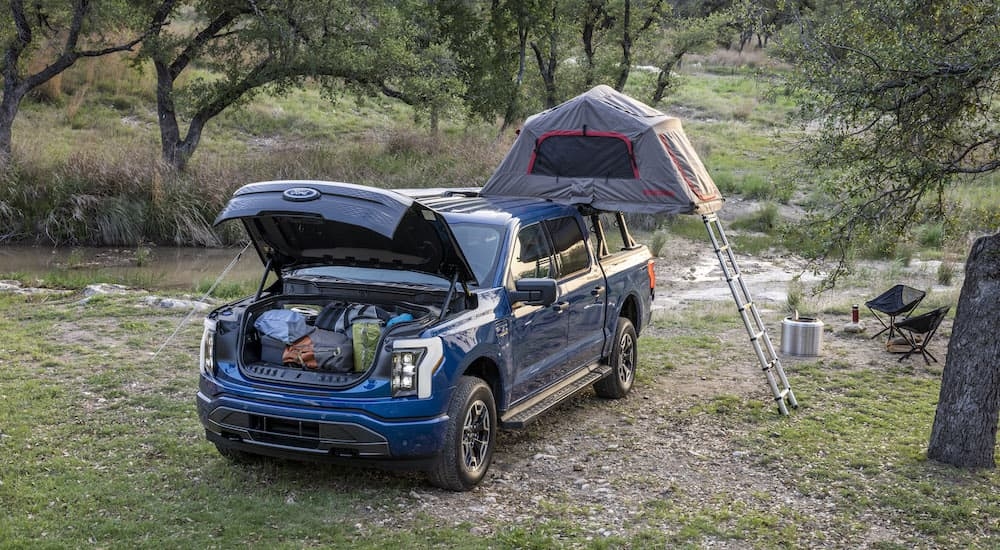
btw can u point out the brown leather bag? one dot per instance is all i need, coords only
(322, 350)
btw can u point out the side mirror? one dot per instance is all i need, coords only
(535, 292)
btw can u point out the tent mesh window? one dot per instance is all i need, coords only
(584, 155)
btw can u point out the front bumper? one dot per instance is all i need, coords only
(316, 434)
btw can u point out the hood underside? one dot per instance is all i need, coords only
(298, 224)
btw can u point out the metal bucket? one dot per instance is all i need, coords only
(802, 336)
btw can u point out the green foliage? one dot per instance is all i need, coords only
(226, 291)
(658, 242)
(794, 302)
(931, 235)
(903, 97)
(765, 219)
(689, 227)
(945, 273)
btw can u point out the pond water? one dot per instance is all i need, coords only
(152, 267)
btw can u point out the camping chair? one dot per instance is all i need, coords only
(919, 329)
(898, 300)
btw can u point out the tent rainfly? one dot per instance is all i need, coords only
(607, 150)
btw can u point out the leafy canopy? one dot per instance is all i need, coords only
(904, 95)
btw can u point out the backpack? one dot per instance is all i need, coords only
(338, 316)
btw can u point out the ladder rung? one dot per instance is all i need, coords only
(765, 354)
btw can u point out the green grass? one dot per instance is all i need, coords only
(99, 443)
(861, 444)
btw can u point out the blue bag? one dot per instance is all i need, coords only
(283, 324)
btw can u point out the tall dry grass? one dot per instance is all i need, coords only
(122, 195)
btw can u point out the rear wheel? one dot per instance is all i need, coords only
(469, 438)
(623, 359)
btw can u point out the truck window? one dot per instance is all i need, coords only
(480, 244)
(616, 236)
(570, 248)
(532, 258)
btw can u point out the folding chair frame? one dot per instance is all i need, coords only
(925, 325)
(900, 309)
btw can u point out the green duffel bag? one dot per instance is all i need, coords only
(366, 334)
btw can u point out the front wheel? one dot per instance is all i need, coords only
(623, 359)
(469, 438)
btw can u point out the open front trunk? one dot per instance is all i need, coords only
(339, 251)
(362, 329)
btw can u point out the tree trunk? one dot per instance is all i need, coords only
(8, 111)
(626, 63)
(547, 66)
(588, 50)
(965, 424)
(174, 151)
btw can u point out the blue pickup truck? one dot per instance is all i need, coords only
(433, 318)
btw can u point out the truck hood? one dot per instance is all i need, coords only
(298, 224)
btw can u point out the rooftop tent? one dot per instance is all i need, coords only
(605, 149)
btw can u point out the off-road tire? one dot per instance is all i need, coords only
(469, 438)
(623, 359)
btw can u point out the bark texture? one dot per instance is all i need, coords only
(965, 424)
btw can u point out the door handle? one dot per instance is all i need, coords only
(560, 306)
(597, 292)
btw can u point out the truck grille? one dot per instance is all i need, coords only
(338, 438)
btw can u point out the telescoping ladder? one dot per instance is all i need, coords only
(751, 318)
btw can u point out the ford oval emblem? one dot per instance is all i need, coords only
(300, 194)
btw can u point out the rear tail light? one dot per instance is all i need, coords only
(651, 268)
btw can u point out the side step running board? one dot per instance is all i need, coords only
(523, 413)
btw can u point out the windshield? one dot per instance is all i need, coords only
(369, 275)
(481, 245)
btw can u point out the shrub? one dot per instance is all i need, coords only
(763, 220)
(795, 299)
(931, 235)
(659, 240)
(945, 273)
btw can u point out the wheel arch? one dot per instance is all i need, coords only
(630, 310)
(487, 370)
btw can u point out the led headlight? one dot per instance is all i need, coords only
(413, 364)
(207, 361)
(404, 370)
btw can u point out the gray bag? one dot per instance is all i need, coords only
(321, 350)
